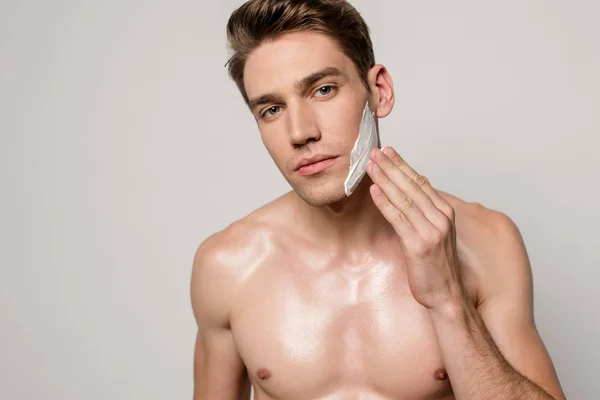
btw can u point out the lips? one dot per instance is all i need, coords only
(312, 160)
(315, 164)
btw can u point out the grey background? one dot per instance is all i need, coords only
(124, 145)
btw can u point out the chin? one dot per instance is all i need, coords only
(319, 195)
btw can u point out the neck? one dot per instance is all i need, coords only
(352, 226)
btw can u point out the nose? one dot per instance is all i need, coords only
(302, 125)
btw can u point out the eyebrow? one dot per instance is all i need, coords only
(300, 85)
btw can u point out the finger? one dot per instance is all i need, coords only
(401, 201)
(412, 188)
(422, 181)
(394, 216)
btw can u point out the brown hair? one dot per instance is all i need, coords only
(259, 20)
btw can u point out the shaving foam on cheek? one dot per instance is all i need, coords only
(359, 158)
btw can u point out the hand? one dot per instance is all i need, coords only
(424, 221)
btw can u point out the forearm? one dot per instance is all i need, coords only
(476, 368)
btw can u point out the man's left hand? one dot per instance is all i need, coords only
(424, 221)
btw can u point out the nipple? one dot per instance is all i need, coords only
(264, 373)
(440, 374)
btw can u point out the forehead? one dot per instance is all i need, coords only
(276, 65)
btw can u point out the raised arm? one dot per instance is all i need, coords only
(219, 373)
(495, 351)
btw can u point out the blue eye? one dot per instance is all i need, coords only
(273, 110)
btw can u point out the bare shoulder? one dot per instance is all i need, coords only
(474, 219)
(490, 246)
(231, 251)
(223, 262)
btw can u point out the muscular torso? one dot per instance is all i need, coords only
(313, 325)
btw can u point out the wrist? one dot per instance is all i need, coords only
(454, 309)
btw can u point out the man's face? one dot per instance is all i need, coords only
(308, 99)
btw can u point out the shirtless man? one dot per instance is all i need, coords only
(399, 291)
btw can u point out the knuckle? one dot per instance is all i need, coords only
(446, 226)
(414, 183)
(449, 211)
(399, 216)
(436, 237)
(420, 248)
(421, 180)
(406, 202)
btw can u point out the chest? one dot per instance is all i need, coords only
(304, 333)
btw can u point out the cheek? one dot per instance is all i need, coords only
(339, 123)
(277, 145)
(273, 135)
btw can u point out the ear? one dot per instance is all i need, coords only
(381, 97)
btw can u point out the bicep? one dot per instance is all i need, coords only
(219, 372)
(520, 343)
(507, 311)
